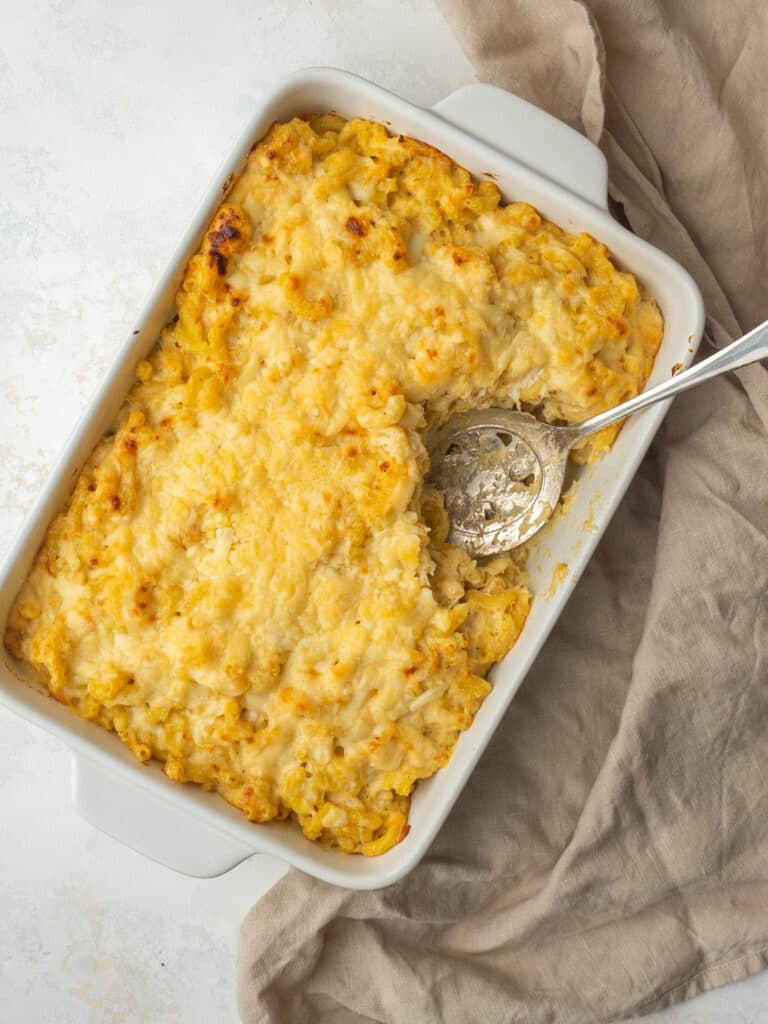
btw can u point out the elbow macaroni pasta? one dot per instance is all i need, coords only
(250, 582)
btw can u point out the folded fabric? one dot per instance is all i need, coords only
(610, 854)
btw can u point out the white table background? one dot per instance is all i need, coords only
(113, 117)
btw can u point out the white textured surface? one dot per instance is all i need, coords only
(113, 117)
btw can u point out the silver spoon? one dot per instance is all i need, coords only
(501, 471)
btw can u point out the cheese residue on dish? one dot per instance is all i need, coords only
(250, 582)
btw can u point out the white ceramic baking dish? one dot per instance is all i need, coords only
(533, 157)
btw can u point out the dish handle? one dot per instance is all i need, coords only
(164, 833)
(530, 136)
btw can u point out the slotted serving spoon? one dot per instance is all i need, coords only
(501, 471)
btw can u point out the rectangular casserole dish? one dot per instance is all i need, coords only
(532, 157)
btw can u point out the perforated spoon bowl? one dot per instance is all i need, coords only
(501, 471)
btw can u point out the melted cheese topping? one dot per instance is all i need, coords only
(250, 582)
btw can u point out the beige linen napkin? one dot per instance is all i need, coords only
(610, 854)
